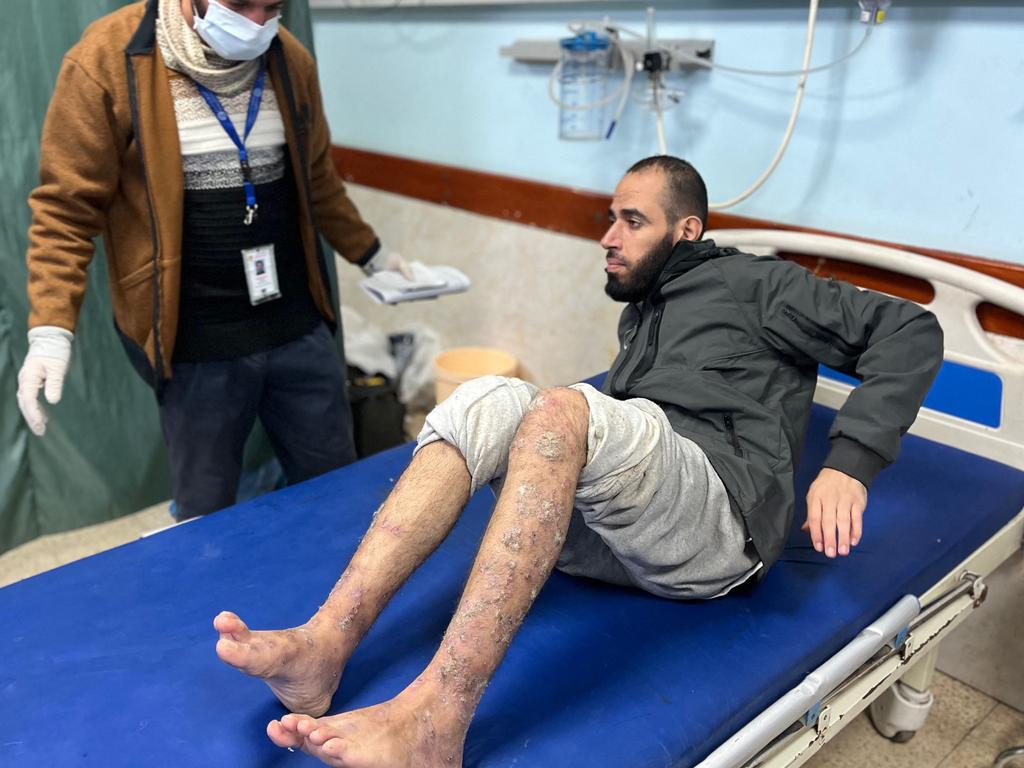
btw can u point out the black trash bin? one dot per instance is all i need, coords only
(377, 415)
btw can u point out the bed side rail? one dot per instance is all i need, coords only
(803, 703)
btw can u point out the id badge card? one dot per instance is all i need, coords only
(261, 274)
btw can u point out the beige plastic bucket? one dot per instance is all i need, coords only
(455, 366)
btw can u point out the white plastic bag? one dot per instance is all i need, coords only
(416, 382)
(366, 346)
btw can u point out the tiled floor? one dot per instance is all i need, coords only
(986, 651)
(966, 728)
(48, 552)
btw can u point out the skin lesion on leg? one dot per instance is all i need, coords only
(550, 445)
(385, 523)
(518, 551)
(302, 665)
(426, 724)
(556, 426)
(512, 539)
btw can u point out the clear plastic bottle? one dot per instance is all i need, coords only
(583, 81)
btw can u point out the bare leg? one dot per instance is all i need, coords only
(426, 724)
(303, 665)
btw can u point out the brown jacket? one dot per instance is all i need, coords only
(110, 165)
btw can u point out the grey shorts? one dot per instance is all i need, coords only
(650, 510)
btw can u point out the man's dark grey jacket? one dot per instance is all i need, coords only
(728, 344)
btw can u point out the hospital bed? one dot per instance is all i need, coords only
(109, 661)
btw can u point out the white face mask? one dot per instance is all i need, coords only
(232, 35)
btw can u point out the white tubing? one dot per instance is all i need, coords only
(811, 20)
(622, 92)
(627, 64)
(660, 120)
(770, 72)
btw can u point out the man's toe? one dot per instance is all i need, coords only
(282, 736)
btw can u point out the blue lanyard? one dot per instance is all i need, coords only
(243, 154)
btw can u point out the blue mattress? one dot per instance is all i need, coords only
(110, 661)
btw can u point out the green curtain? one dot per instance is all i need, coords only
(102, 455)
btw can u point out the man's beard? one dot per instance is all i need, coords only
(637, 282)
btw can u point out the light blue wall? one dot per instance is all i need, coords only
(919, 140)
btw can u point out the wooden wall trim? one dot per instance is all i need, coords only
(584, 213)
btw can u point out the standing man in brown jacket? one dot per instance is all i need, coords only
(190, 134)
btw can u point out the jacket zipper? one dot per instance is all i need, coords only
(278, 52)
(136, 124)
(617, 383)
(730, 430)
(286, 81)
(630, 338)
(815, 331)
(649, 349)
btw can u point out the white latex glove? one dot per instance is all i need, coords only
(49, 352)
(387, 259)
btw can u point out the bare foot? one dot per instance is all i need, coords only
(396, 734)
(301, 667)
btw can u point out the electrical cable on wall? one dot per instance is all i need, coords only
(812, 18)
(696, 60)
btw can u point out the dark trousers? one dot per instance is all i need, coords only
(207, 411)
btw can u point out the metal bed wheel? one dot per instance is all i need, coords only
(900, 712)
(1007, 755)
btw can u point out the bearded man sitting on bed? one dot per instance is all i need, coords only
(676, 478)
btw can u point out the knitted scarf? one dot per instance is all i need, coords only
(184, 51)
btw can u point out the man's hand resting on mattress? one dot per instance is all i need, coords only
(835, 509)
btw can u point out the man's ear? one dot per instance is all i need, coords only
(689, 228)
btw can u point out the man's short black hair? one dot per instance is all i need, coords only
(685, 193)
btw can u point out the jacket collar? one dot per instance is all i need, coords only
(144, 40)
(689, 254)
(686, 255)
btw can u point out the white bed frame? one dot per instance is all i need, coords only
(897, 654)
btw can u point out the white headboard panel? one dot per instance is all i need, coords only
(958, 291)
